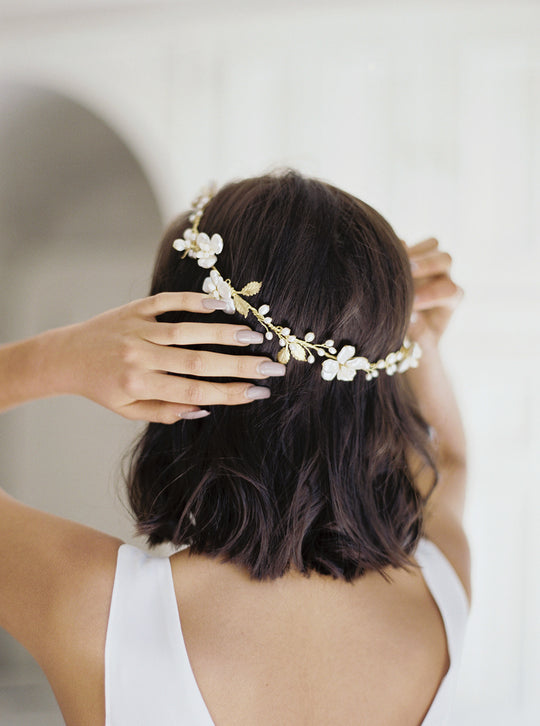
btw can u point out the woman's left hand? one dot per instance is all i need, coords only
(436, 294)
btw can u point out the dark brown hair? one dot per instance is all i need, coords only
(315, 477)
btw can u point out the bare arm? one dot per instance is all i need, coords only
(56, 576)
(433, 390)
(436, 297)
(21, 373)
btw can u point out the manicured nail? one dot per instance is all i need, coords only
(213, 304)
(249, 336)
(414, 317)
(414, 266)
(194, 414)
(258, 392)
(269, 368)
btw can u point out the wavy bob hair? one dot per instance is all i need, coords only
(316, 477)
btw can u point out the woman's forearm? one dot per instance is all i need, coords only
(27, 370)
(433, 391)
(436, 296)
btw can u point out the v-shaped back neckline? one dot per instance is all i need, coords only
(425, 549)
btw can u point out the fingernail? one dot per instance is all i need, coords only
(249, 336)
(414, 317)
(269, 368)
(213, 304)
(194, 414)
(414, 266)
(258, 392)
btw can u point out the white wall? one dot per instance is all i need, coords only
(430, 112)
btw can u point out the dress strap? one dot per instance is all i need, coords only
(451, 599)
(148, 678)
(448, 592)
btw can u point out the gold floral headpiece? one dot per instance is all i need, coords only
(342, 365)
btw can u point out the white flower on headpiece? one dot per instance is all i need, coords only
(216, 286)
(200, 246)
(345, 366)
(208, 249)
(185, 242)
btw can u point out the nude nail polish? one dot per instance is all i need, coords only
(192, 415)
(271, 368)
(258, 392)
(249, 336)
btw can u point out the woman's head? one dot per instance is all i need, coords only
(316, 476)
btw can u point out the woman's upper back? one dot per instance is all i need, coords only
(198, 642)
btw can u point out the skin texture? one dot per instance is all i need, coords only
(49, 565)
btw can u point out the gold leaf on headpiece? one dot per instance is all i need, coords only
(284, 356)
(241, 306)
(252, 288)
(297, 351)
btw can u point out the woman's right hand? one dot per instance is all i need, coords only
(122, 358)
(436, 294)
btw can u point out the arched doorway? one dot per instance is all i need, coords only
(79, 225)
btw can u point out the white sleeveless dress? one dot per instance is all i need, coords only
(148, 677)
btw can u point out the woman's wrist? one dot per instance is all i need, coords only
(52, 349)
(434, 393)
(29, 370)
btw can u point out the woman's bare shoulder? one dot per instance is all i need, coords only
(56, 580)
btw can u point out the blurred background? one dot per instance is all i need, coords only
(114, 114)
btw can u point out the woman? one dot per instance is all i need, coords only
(327, 576)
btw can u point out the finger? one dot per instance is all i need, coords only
(206, 364)
(433, 263)
(165, 302)
(161, 412)
(199, 333)
(426, 245)
(439, 292)
(195, 392)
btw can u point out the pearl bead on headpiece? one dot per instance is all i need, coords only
(342, 365)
